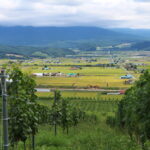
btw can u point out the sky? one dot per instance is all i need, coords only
(99, 13)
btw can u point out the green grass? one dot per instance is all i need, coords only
(86, 136)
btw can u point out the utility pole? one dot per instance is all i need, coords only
(3, 77)
(55, 115)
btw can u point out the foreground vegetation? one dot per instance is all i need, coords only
(133, 112)
(77, 120)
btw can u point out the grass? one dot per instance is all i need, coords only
(100, 137)
(86, 136)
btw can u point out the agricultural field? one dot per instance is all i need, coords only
(77, 94)
(88, 76)
(88, 94)
(66, 61)
(82, 82)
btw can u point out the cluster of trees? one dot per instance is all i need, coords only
(133, 113)
(107, 65)
(26, 114)
(64, 114)
(130, 66)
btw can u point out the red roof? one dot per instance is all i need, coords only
(122, 91)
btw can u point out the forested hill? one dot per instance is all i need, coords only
(36, 36)
(145, 45)
(29, 51)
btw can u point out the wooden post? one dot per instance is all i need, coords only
(4, 108)
(55, 116)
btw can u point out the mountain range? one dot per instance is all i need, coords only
(60, 41)
(41, 36)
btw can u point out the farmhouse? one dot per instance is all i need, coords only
(38, 74)
(46, 74)
(121, 92)
(72, 74)
(128, 76)
(46, 68)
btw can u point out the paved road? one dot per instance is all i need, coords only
(84, 90)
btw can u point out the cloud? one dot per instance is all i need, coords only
(101, 13)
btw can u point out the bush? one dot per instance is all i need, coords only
(111, 121)
(45, 139)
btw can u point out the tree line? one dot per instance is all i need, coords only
(133, 115)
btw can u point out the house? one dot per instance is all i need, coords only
(128, 76)
(45, 68)
(122, 92)
(59, 74)
(46, 74)
(38, 74)
(72, 74)
(54, 74)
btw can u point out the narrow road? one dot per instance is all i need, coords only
(80, 90)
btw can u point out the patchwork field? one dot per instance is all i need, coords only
(88, 76)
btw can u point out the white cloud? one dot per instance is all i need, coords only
(105, 13)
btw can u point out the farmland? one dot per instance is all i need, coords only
(95, 91)
(84, 94)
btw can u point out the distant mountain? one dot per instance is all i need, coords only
(145, 33)
(60, 41)
(145, 45)
(60, 36)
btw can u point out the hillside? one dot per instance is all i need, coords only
(42, 42)
(28, 51)
(145, 33)
(56, 36)
(145, 45)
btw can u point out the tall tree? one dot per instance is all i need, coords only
(134, 110)
(22, 107)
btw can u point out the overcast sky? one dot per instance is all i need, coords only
(101, 13)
